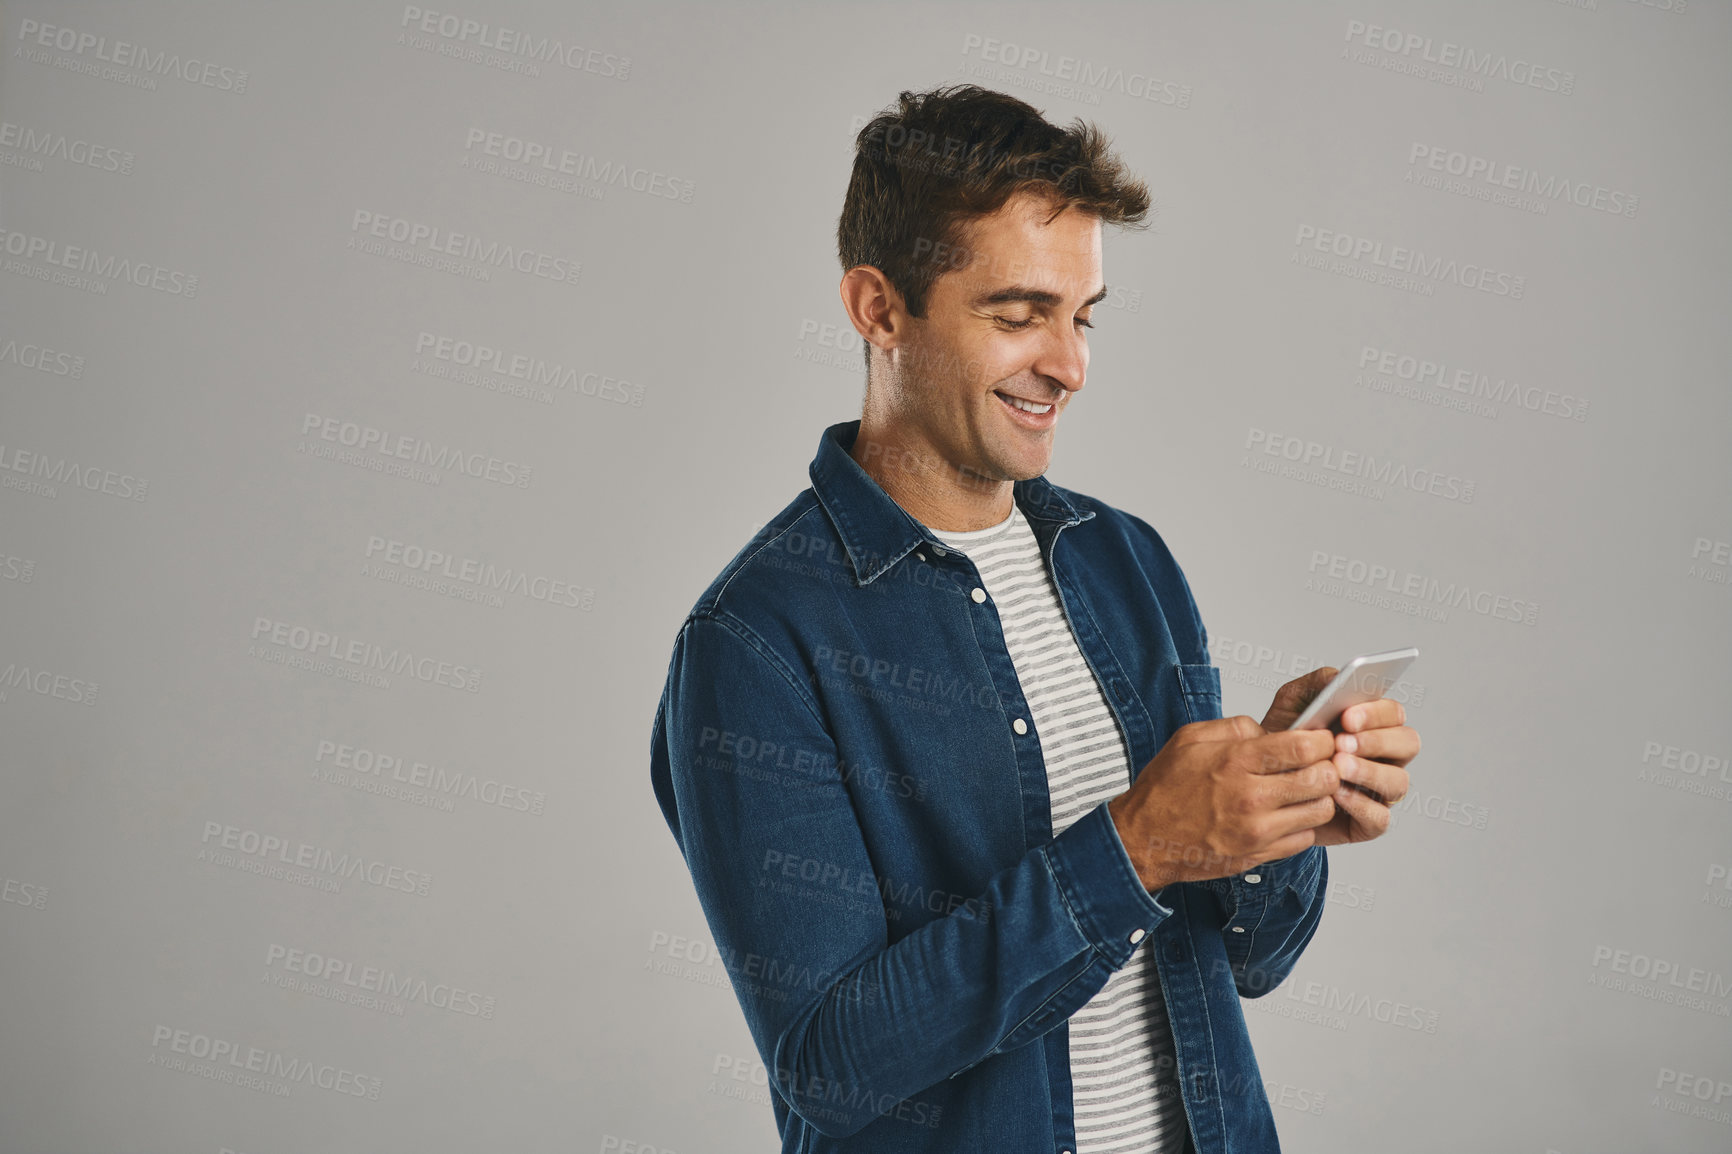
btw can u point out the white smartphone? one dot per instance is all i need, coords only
(1366, 678)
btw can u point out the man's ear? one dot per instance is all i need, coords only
(874, 307)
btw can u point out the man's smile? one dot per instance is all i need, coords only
(1029, 414)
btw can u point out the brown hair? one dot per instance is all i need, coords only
(925, 171)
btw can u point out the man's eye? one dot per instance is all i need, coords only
(1023, 324)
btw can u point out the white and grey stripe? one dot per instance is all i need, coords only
(1122, 1062)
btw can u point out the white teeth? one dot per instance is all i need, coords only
(1027, 406)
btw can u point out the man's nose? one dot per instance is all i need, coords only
(1064, 360)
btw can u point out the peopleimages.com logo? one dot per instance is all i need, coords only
(226, 1060)
(1399, 264)
(87, 48)
(1426, 56)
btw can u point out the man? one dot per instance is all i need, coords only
(942, 745)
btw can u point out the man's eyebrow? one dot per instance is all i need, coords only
(1017, 294)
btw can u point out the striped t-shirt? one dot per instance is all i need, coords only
(1123, 1083)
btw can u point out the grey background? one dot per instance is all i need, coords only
(1569, 823)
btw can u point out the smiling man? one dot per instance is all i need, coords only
(971, 381)
(942, 746)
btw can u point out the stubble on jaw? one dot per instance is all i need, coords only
(927, 397)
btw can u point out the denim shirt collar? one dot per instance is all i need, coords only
(874, 529)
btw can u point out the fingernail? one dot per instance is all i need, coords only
(1346, 743)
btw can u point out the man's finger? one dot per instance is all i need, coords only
(1369, 816)
(1306, 784)
(1301, 690)
(1373, 715)
(1292, 819)
(1388, 782)
(1292, 698)
(1398, 744)
(1291, 748)
(1236, 728)
(1291, 844)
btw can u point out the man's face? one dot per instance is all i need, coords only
(1009, 325)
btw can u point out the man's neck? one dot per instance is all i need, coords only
(933, 491)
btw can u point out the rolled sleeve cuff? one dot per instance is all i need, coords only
(1245, 898)
(1100, 885)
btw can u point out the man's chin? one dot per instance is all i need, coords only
(1007, 461)
(1023, 468)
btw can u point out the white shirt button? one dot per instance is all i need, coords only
(938, 550)
(1253, 878)
(1238, 929)
(979, 596)
(1137, 935)
(1019, 725)
(919, 554)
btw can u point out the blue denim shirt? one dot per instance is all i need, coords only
(871, 841)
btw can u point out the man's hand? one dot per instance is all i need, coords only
(1373, 746)
(1292, 698)
(1224, 796)
(1371, 756)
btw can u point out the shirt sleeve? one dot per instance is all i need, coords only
(1270, 920)
(843, 1019)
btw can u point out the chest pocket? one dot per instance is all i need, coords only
(1200, 685)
